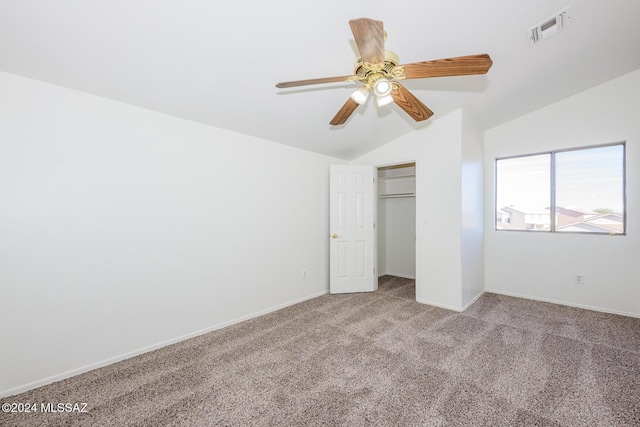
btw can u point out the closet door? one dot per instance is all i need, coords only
(351, 229)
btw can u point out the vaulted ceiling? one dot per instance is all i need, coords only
(217, 63)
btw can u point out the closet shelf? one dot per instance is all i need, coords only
(397, 176)
(394, 195)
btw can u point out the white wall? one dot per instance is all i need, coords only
(122, 229)
(541, 265)
(472, 210)
(437, 151)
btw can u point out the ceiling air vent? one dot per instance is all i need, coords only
(549, 27)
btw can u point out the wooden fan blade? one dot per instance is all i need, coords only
(460, 66)
(313, 81)
(409, 103)
(345, 112)
(369, 36)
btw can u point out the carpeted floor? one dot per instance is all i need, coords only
(373, 359)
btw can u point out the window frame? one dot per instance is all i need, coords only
(552, 189)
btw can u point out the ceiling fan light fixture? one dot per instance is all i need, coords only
(384, 100)
(360, 95)
(382, 87)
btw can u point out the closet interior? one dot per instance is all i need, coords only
(397, 220)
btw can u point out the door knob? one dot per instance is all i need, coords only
(335, 236)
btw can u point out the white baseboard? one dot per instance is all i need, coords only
(450, 307)
(470, 303)
(568, 304)
(111, 360)
(437, 304)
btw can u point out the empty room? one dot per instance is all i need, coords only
(411, 213)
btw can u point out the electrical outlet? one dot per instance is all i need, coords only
(304, 274)
(578, 278)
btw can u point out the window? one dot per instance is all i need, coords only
(584, 188)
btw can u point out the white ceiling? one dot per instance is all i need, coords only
(218, 63)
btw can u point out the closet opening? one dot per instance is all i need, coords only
(396, 229)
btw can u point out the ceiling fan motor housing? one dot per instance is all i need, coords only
(363, 69)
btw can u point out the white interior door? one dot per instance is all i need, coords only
(351, 228)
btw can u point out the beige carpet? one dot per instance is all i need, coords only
(373, 359)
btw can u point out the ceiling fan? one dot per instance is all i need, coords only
(379, 71)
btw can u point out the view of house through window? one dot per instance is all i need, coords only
(584, 187)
